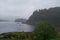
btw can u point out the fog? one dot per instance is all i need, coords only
(11, 9)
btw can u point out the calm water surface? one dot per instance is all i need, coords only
(15, 27)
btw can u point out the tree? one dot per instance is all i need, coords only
(44, 31)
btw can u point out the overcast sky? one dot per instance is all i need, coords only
(24, 8)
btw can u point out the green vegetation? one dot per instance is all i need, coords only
(16, 36)
(26, 36)
(44, 31)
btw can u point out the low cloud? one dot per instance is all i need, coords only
(23, 8)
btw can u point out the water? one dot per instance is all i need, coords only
(15, 27)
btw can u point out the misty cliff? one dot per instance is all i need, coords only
(51, 15)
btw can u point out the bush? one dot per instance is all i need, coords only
(44, 31)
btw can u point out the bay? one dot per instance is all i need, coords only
(15, 27)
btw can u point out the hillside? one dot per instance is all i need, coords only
(20, 20)
(1, 20)
(51, 15)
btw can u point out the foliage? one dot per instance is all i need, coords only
(16, 36)
(44, 31)
(27, 35)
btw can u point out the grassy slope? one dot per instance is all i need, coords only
(20, 36)
(17, 35)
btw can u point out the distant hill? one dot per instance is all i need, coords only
(3, 20)
(51, 15)
(20, 20)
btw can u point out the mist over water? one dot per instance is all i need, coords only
(15, 27)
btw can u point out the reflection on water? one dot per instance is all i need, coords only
(14, 27)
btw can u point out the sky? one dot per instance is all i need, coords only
(10, 9)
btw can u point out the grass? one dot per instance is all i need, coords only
(20, 36)
(16, 35)
(58, 37)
